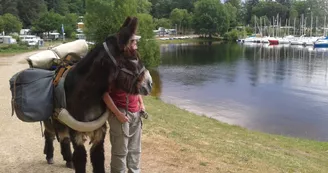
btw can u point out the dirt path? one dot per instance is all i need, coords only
(21, 143)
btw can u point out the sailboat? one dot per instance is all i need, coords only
(323, 43)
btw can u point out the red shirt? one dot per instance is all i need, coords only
(119, 99)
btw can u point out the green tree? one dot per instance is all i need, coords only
(2, 25)
(161, 8)
(163, 22)
(265, 20)
(232, 15)
(30, 11)
(235, 3)
(186, 22)
(8, 6)
(183, 4)
(254, 21)
(181, 18)
(293, 13)
(210, 17)
(249, 4)
(148, 46)
(77, 6)
(144, 6)
(11, 23)
(69, 22)
(177, 16)
(271, 9)
(47, 22)
(59, 6)
(286, 3)
(104, 18)
(239, 18)
(301, 7)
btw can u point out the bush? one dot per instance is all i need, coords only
(149, 51)
(73, 35)
(234, 35)
(231, 35)
(148, 46)
(249, 30)
(13, 48)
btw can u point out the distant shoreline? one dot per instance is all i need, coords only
(186, 40)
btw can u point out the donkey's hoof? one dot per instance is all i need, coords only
(70, 165)
(50, 161)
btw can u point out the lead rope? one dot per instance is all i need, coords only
(126, 114)
(41, 129)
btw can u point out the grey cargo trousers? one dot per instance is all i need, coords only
(126, 143)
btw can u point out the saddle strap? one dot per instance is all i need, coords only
(61, 71)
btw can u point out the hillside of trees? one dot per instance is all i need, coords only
(206, 17)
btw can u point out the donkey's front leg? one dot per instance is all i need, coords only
(79, 154)
(66, 152)
(97, 155)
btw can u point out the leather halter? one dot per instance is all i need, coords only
(136, 75)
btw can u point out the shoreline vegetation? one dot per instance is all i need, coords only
(188, 40)
(219, 147)
(14, 49)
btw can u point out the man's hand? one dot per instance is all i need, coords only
(121, 117)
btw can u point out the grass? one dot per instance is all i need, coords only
(13, 49)
(57, 42)
(219, 147)
(176, 41)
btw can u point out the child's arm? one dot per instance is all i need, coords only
(112, 107)
(142, 106)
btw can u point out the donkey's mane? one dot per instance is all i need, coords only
(85, 64)
(90, 78)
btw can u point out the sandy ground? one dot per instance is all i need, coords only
(22, 144)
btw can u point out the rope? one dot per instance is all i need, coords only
(41, 129)
(128, 135)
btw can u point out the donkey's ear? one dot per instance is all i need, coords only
(126, 22)
(126, 32)
(133, 26)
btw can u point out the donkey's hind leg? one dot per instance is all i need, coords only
(49, 146)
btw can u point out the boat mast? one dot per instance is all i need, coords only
(288, 25)
(305, 25)
(316, 26)
(294, 26)
(273, 26)
(311, 24)
(324, 27)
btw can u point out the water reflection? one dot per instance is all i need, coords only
(276, 89)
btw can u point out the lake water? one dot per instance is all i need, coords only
(274, 89)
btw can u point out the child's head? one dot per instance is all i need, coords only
(133, 42)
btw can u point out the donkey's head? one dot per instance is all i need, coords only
(114, 62)
(132, 76)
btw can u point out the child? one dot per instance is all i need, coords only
(125, 127)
